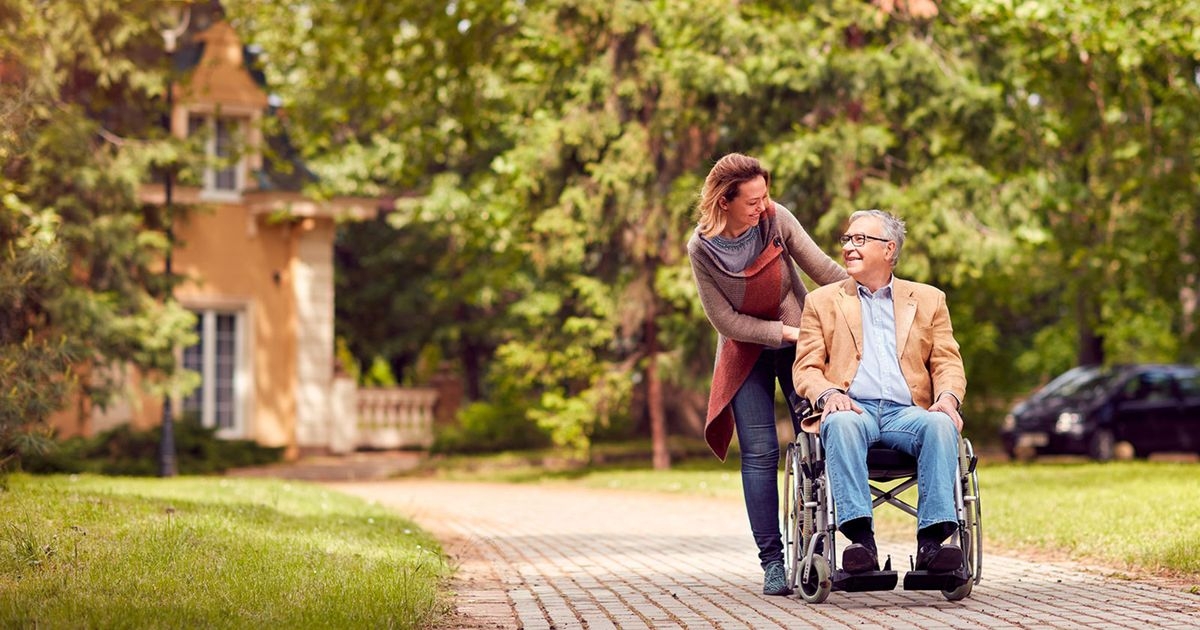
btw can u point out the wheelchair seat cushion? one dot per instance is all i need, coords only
(884, 464)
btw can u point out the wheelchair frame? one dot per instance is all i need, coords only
(810, 523)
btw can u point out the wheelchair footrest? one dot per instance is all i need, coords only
(866, 581)
(935, 580)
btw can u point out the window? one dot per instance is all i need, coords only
(1151, 386)
(224, 173)
(1189, 384)
(217, 357)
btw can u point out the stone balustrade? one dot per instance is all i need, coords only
(395, 417)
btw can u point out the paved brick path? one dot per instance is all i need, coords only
(540, 557)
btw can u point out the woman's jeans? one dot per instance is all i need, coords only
(754, 415)
(927, 435)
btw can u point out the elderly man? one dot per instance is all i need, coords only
(878, 356)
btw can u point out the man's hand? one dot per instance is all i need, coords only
(791, 334)
(947, 405)
(837, 401)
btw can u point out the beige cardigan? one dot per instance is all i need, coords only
(831, 335)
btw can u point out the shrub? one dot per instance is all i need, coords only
(125, 451)
(491, 427)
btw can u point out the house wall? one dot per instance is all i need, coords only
(279, 276)
(77, 417)
(231, 261)
(235, 260)
(237, 257)
(312, 282)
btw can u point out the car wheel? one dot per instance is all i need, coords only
(1124, 451)
(1101, 446)
(1024, 454)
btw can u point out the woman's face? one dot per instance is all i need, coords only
(746, 207)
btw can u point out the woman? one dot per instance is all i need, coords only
(742, 253)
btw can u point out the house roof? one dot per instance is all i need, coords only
(221, 75)
(224, 73)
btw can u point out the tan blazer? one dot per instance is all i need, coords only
(831, 343)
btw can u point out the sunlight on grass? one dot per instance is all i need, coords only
(1140, 514)
(690, 479)
(208, 552)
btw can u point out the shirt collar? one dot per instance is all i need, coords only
(884, 292)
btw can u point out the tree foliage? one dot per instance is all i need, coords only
(547, 154)
(1103, 98)
(80, 282)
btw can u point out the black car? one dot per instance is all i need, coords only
(1124, 411)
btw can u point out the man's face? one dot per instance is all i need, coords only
(873, 257)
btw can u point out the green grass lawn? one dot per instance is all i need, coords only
(205, 552)
(1131, 516)
(1135, 515)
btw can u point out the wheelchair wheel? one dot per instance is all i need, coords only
(807, 515)
(792, 505)
(818, 586)
(971, 537)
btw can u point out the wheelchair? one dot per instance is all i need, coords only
(810, 549)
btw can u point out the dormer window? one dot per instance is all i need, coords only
(224, 141)
(220, 106)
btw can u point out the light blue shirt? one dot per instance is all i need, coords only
(879, 376)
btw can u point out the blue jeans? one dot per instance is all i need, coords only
(931, 437)
(754, 416)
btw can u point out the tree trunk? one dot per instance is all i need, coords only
(1091, 344)
(1189, 300)
(1189, 290)
(472, 372)
(654, 394)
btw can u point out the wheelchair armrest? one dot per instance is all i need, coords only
(800, 406)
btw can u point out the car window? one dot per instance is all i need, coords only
(1151, 386)
(1086, 383)
(1067, 379)
(1189, 385)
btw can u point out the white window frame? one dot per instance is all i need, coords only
(237, 134)
(242, 372)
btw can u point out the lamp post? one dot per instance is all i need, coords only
(177, 18)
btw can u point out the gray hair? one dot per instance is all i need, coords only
(893, 228)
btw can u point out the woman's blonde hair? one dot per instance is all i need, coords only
(730, 172)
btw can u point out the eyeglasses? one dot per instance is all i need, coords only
(861, 239)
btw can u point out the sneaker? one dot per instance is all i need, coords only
(775, 579)
(938, 558)
(859, 559)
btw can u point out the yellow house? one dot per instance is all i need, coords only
(257, 261)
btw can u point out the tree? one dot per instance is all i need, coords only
(404, 102)
(548, 154)
(603, 118)
(81, 287)
(1105, 146)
